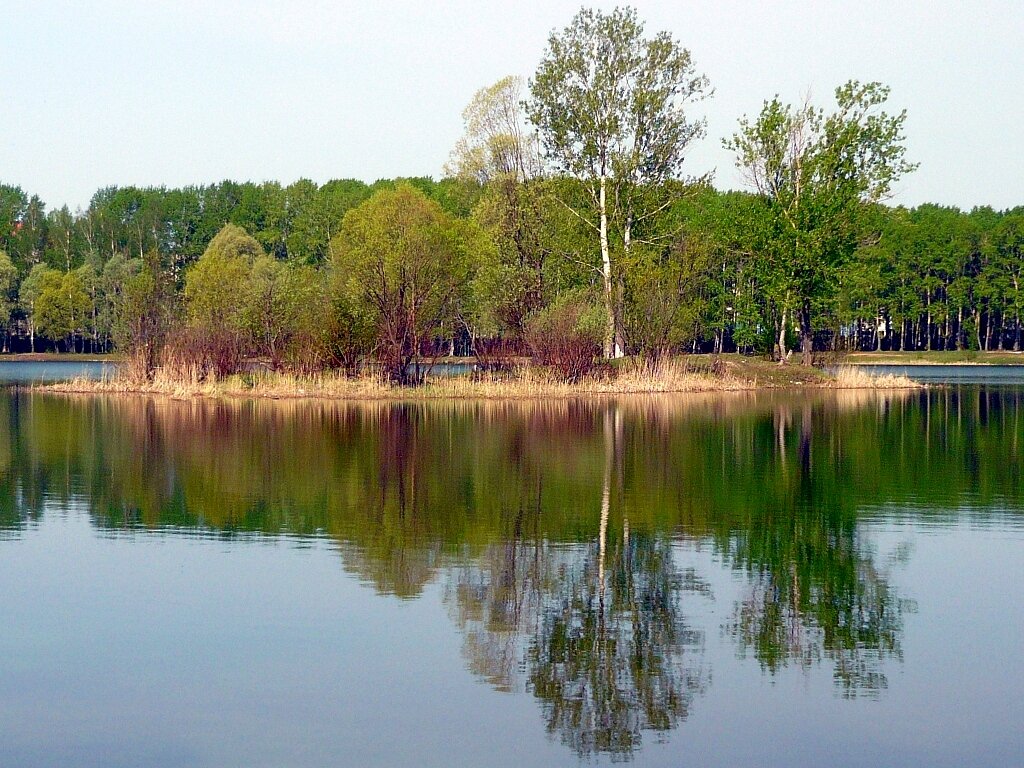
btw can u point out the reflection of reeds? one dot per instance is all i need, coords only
(634, 377)
(555, 414)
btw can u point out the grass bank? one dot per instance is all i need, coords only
(959, 357)
(728, 373)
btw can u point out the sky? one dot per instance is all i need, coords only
(144, 92)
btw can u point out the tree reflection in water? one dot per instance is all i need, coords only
(553, 526)
(607, 658)
(815, 591)
(595, 629)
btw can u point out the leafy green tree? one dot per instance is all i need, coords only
(142, 309)
(215, 286)
(285, 311)
(117, 272)
(405, 266)
(31, 287)
(8, 293)
(61, 310)
(609, 105)
(814, 172)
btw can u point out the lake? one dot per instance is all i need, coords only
(762, 579)
(45, 371)
(951, 373)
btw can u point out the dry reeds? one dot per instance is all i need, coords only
(854, 377)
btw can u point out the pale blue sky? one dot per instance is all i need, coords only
(195, 91)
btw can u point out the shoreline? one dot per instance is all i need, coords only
(670, 378)
(940, 358)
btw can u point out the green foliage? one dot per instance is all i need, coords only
(404, 265)
(609, 101)
(215, 286)
(815, 172)
(8, 289)
(62, 306)
(142, 314)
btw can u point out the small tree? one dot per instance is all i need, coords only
(566, 336)
(142, 315)
(404, 265)
(8, 293)
(216, 299)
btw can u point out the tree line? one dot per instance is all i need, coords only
(565, 229)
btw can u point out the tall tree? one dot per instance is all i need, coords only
(814, 171)
(499, 152)
(8, 293)
(609, 104)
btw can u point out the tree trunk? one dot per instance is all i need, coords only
(928, 323)
(782, 338)
(611, 341)
(806, 334)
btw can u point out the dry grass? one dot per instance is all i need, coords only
(523, 383)
(852, 377)
(632, 377)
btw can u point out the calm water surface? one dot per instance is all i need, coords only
(954, 374)
(40, 371)
(791, 580)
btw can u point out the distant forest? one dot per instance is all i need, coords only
(564, 228)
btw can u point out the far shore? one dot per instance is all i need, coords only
(60, 357)
(726, 373)
(909, 357)
(945, 357)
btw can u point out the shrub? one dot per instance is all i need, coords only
(566, 337)
(193, 353)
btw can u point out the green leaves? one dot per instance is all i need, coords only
(815, 172)
(215, 285)
(62, 305)
(609, 102)
(404, 264)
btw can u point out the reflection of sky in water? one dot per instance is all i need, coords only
(172, 651)
(183, 643)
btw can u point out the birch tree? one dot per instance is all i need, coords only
(609, 104)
